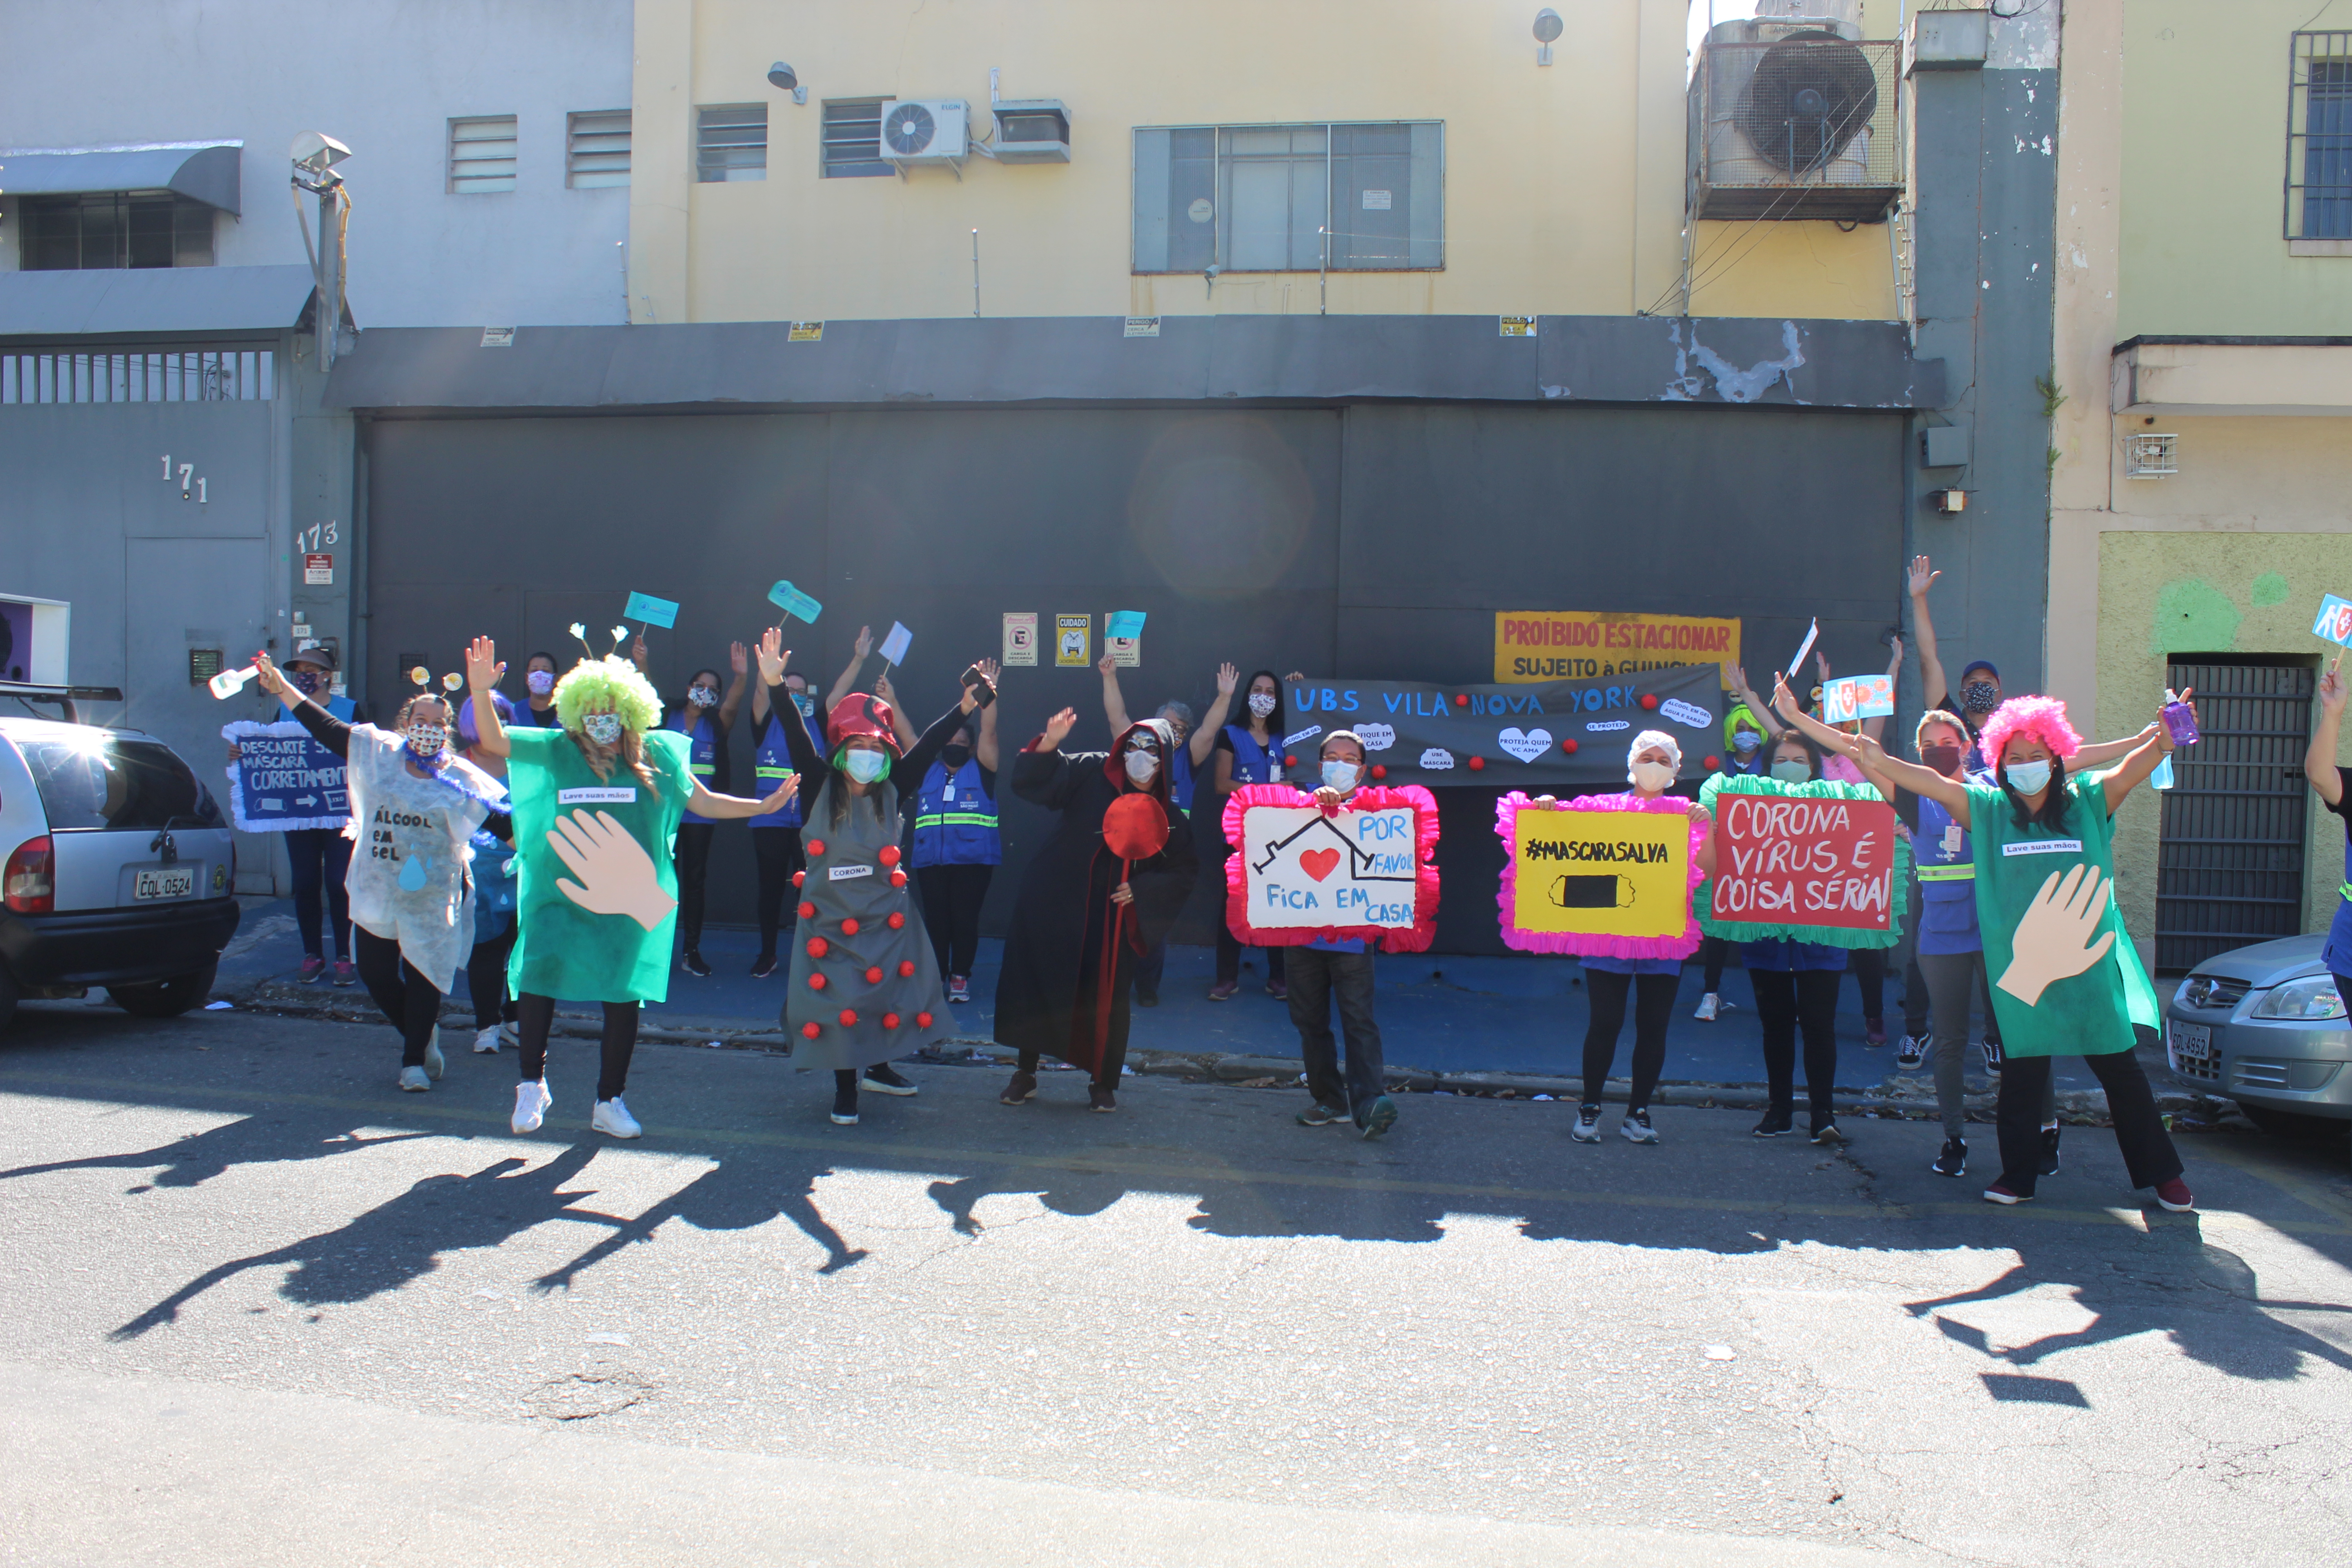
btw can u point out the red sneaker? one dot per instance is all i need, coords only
(1999, 1193)
(2175, 1196)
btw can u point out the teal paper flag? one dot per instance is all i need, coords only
(652, 611)
(792, 602)
(1124, 624)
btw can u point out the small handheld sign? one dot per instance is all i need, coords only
(792, 602)
(2335, 621)
(1124, 624)
(894, 646)
(1853, 697)
(653, 612)
(1812, 631)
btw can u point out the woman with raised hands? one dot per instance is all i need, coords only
(596, 805)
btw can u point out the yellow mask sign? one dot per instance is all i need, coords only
(1600, 873)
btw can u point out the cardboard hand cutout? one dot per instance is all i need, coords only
(616, 876)
(2053, 938)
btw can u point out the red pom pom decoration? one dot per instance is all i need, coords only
(1569, 745)
(897, 879)
(1713, 763)
(809, 1030)
(906, 969)
(1380, 770)
(874, 975)
(798, 878)
(818, 947)
(808, 910)
(896, 922)
(922, 1020)
(1649, 699)
(1290, 759)
(849, 926)
(1478, 764)
(1461, 701)
(817, 846)
(889, 856)
(889, 1020)
(817, 982)
(849, 1017)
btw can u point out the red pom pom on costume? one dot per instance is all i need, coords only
(897, 879)
(1569, 745)
(810, 1031)
(817, 982)
(818, 947)
(906, 969)
(889, 856)
(896, 922)
(798, 878)
(874, 974)
(1380, 770)
(849, 1017)
(1478, 764)
(817, 846)
(1649, 699)
(849, 926)
(808, 910)
(922, 1020)
(889, 1020)
(1461, 701)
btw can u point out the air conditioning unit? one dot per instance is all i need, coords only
(1795, 117)
(925, 131)
(1032, 131)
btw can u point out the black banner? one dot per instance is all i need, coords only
(1556, 737)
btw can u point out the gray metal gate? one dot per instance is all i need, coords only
(2230, 867)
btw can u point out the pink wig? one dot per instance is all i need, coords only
(2043, 717)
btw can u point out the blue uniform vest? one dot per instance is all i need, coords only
(773, 765)
(705, 731)
(1945, 865)
(2337, 954)
(1253, 763)
(955, 820)
(341, 708)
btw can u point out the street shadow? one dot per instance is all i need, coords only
(728, 1196)
(2205, 1299)
(197, 1158)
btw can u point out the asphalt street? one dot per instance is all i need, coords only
(261, 1307)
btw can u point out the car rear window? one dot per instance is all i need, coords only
(108, 780)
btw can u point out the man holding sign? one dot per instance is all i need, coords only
(1327, 876)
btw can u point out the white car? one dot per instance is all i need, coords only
(116, 870)
(2264, 1024)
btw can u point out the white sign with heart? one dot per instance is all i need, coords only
(1527, 747)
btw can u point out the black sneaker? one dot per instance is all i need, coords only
(1953, 1160)
(2050, 1151)
(1827, 1132)
(1146, 998)
(884, 1078)
(1379, 1118)
(1991, 1049)
(1775, 1122)
(1911, 1050)
(692, 963)
(844, 1105)
(763, 966)
(1320, 1116)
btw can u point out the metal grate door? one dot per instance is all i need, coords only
(2230, 867)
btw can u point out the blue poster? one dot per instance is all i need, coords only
(652, 611)
(282, 780)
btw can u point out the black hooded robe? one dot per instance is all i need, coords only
(1049, 994)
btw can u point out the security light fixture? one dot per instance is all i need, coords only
(314, 154)
(1547, 26)
(781, 78)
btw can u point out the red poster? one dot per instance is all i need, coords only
(1803, 860)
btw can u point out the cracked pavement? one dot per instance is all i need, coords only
(263, 1305)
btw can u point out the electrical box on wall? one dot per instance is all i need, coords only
(35, 635)
(1944, 447)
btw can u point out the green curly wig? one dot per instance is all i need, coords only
(609, 682)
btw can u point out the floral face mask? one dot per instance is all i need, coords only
(604, 728)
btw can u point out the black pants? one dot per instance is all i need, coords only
(2149, 1158)
(1228, 954)
(1653, 1004)
(410, 1002)
(534, 1015)
(1868, 965)
(1317, 980)
(321, 858)
(693, 861)
(485, 978)
(952, 899)
(1715, 952)
(1786, 1003)
(1149, 968)
(779, 854)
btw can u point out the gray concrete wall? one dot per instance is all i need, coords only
(385, 77)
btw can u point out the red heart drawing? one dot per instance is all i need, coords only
(1318, 863)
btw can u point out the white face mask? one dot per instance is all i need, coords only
(2029, 778)
(1262, 703)
(540, 681)
(1651, 776)
(702, 696)
(865, 766)
(1340, 775)
(604, 728)
(1141, 767)
(428, 739)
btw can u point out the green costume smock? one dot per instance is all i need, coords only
(2086, 1014)
(562, 950)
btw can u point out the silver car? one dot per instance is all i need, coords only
(2263, 1025)
(116, 869)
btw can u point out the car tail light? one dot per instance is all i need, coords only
(28, 883)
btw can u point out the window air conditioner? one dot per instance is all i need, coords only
(1032, 131)
(924, 130)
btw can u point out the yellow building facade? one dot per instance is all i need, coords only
(1559, 185)
(2202, 462)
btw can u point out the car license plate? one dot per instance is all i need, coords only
(2193, 1042)
(172, 882)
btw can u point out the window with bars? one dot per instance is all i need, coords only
(1290, 198)
(596, 149)
(114, 229)
(133, 375)
(2231, 862)
(482, 154)
(2319, 137)
(853, 140)
(731, 142)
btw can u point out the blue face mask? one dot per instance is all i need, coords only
(1341, 776)
(804, 702)
(2029, 778)
(865, 766)
(1745, 742)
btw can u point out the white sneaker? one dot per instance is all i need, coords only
(1637, 1129)
(414, 1082)
(531, 1100)
(512, 1032)
(434, 1063)
(612, 1119)
(486, 1041)
(1588, 1124)
(1708, 1005)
